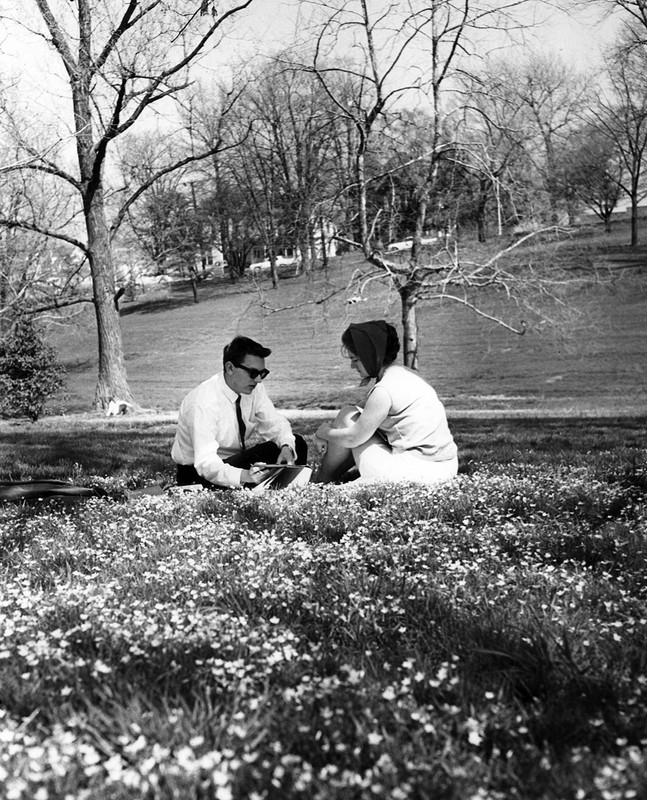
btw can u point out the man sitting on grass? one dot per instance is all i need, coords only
(228, 423)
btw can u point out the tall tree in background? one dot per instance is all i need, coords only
(553, 96)
(595, 164)
(495, 142)
(119, 60)
(623, 121)
(621, 116)
(214, 120)
(275, 151)
(239, 182)
(295, 112)
(254, 168)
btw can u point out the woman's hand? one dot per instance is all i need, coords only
(286, 456)
(323, 431)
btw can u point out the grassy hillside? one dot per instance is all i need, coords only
(593, 360)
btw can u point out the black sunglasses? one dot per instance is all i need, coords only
(252, 372)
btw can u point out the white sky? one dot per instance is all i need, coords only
(263, 28)
(577, 37)
(266, 24)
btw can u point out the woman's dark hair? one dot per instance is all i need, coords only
(242, 346)
(392, 346)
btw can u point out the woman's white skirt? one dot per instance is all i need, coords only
(378, 462)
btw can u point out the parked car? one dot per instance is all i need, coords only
(259, 265)
(407, 244)
(288, 261)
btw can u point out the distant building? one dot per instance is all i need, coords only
(210, 259)
(287, 253)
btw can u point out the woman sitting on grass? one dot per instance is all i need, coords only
(400, 432)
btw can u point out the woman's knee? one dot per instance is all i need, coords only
(346, 415)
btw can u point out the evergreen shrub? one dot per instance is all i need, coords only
(29, 371)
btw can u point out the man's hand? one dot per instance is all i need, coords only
(286, 456)
(254, 475)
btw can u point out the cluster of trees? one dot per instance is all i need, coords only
(386, 126)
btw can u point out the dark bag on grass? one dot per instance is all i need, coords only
(18, 491)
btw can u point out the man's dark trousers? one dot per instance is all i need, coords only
(266, 452)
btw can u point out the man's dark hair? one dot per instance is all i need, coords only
(243, 346)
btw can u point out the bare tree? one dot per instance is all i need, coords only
(119, 63)
(255, 168)
(636, 16)
(36, 274)
(168, 225)
(553, 95)
(391, 39)
(280, 162)
(296, 114)
(215, 120)
(595, 164)
(621, 116)
(495, 142)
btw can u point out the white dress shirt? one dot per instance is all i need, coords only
(207, 430)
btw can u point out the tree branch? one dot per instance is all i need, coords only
(56, 305)
(127, 22)
(29, 226)
(48, 170)
(58, 38)
(464, 302)
(314, 302)
(166, 171)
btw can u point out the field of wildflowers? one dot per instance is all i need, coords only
(484, 640)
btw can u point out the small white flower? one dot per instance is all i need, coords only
(475, 738)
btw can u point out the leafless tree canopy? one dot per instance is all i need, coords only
(399, 130)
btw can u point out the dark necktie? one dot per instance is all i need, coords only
(241, 424)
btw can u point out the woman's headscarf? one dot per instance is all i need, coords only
(369, 344)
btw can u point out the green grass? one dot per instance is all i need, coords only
(136, 450)
(591, 361)
(485, 639)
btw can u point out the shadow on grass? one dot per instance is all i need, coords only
(98, 447)
(100, 451)
(536, 441)
(180, 294)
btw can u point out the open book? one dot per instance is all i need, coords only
(283, 475)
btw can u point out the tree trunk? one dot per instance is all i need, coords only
(312, 245)
(193, 280)
(362, 215)
(480, 210)
(409, 299)
(324, 244)
(421, 219)
(304, 250)
(392, 211)
(274, 270)
(634, 218)
(499, 212)
(112, 381)
(480, 226)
